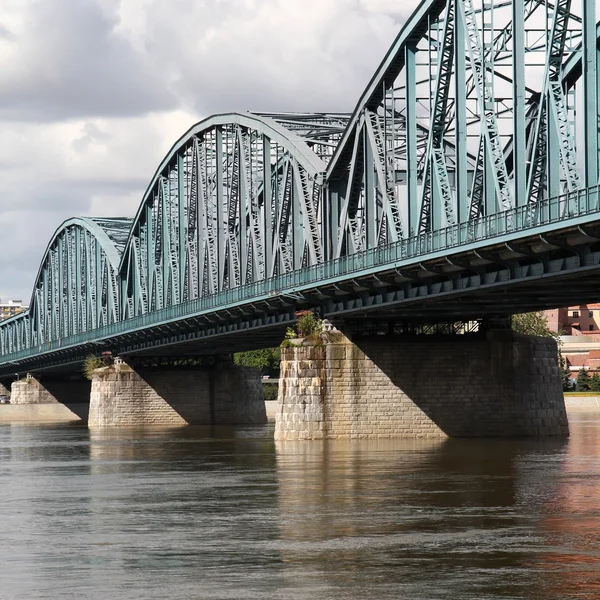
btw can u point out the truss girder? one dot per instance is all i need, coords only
(553, 119)
(435, 178)
(76, 289)
(481, 112)
(478, 104)
(206, 210)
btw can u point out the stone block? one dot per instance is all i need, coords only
(384, 388)
(222, 394)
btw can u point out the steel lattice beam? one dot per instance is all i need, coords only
(481, 122)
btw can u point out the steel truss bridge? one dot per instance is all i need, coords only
(463, 186)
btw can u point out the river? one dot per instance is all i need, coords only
(193, 513)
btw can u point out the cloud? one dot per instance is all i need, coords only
(5, 34)
(51, 173)
(93, 96)
(277, 55)
(64, 64)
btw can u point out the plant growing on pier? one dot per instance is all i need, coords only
(90, 364)
(308, 323)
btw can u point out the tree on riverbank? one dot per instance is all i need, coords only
(565, 373)
(267, 360)
(534, 323)
(583, 380)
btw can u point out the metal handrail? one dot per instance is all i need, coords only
(565, 209)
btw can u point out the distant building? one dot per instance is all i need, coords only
(10, 308)
(579, 329)
(575, 320)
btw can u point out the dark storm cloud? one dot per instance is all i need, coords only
(70, 61)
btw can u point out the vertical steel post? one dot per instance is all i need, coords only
(411, 140)
(462, 194)
(333, 195)
(151, 275)
(221, 211)
(590, 93)
(78, 321)
(519, 124)
(268, 173)
(370, 219)
(182, 228)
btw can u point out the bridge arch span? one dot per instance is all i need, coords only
(447, 132)
(77, 287)
(237, 199)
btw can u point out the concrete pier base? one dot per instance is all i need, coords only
(495, 384)
(221, 394)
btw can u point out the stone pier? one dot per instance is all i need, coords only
(4, 391)
(221, 394)
(52, 391)
(30, 391)
(47, 400)
(494, 384)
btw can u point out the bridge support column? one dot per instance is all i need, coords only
(4, 391)
(221, 394)
(494, 384)
(49, 400)
(30, 391)
(50, 391)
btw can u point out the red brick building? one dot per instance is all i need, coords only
(579, 327)
(576, 320)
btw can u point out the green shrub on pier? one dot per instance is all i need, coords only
(90, 364)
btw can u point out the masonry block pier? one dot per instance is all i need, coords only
(31, 390)
(4, 391)
(220, 394)
(47, 400)
(489, 384)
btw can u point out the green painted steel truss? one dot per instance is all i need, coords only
(479, 126)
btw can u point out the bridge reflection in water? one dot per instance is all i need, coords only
(229, 513)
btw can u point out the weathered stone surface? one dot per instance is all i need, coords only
(221, 394)
(422, 387)
(30, 391)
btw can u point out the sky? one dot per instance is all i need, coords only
(93, 93)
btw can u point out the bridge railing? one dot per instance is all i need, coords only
(566, 208)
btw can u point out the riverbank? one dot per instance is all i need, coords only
(578, 402)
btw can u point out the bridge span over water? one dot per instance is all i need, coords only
(465, 185)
